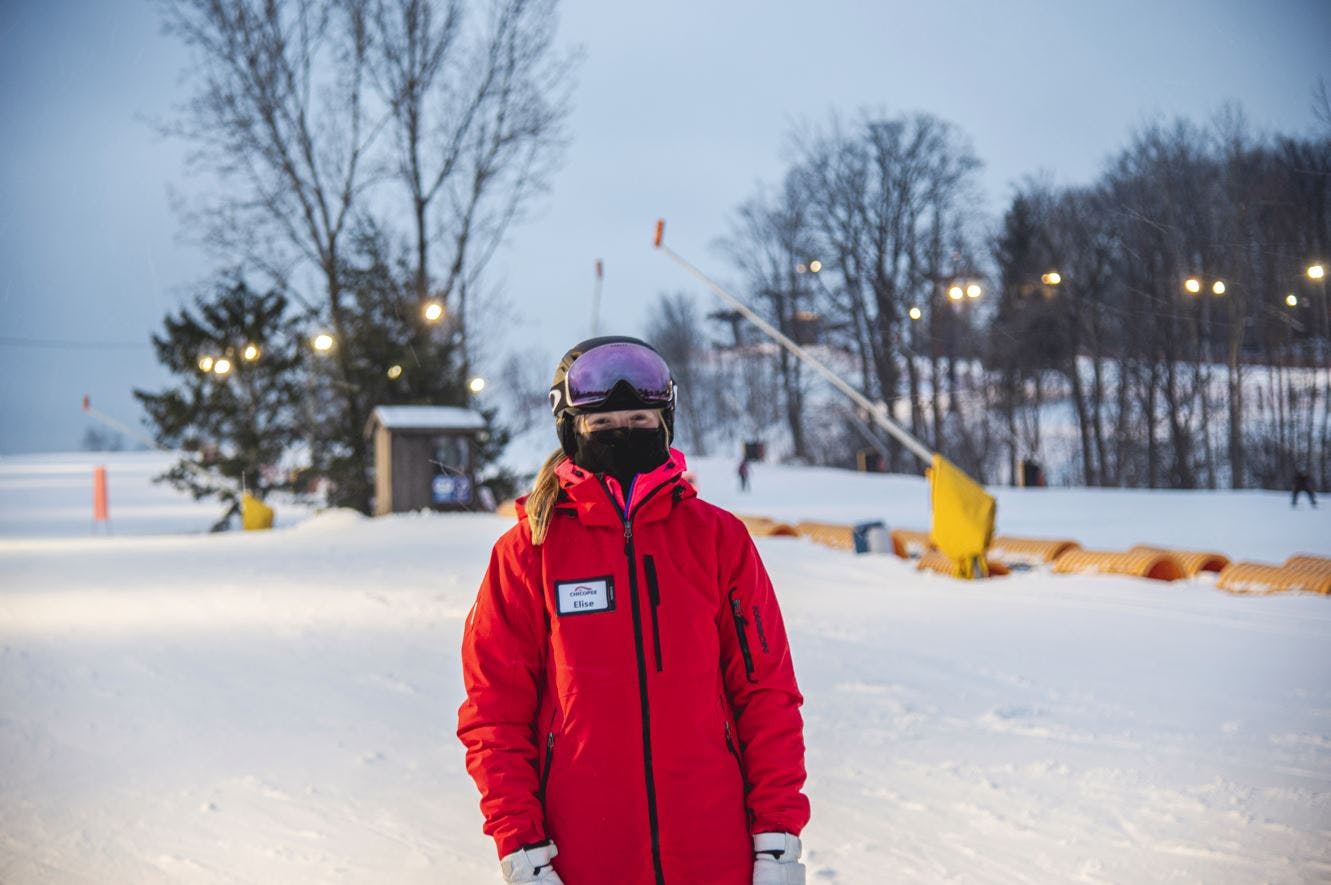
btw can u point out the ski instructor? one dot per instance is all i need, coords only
(632, 716)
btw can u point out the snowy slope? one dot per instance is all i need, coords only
(51, 494)
(1243, 525)
(279, 707)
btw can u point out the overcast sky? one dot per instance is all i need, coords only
(681, 109)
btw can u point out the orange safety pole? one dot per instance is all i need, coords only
(99, 505)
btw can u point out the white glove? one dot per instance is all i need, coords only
(532, 864)
(776, 860)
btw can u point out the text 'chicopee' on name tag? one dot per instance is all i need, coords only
(585, 596)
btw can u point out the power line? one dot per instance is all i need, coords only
(7, 341)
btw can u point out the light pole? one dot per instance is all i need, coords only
(1317, 273)
(1193, 286)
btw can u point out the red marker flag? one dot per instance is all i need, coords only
(660, 232)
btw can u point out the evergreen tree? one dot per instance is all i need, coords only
(392, 353)
(235, 404)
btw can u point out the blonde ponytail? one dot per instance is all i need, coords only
(540, 503)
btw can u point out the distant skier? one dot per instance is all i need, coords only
(744, 475)
(632, 715)
(1302, 484)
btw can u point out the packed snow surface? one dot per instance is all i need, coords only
(280, 706)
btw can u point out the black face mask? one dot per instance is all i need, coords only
(622, 452)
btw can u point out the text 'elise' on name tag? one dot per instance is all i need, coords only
(585, 596)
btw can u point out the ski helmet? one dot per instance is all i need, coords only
(614, 372)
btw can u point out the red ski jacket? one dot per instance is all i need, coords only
(630, 692)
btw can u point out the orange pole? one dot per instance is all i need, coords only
(99, 507)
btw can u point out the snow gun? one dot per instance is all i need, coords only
(962, 523)
(254, 514)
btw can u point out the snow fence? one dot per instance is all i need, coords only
(1300, 572)
(1151, 564)
(1029, 552)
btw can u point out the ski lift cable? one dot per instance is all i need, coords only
(877, 410)
(185, 457)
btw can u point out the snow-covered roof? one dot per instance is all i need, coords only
(426, 418)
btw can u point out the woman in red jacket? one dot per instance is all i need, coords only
(632, 715)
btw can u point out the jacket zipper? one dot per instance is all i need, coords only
(636, 607)
(744, 778)
(654, 594)
(734, 751)
(549, 764)
(737, 613)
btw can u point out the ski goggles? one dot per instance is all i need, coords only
(594, 375)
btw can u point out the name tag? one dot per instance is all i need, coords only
(586, 596)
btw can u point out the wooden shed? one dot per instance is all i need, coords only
(423, 457)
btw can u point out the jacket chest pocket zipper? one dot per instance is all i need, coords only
(654, 595)
(549, 763)
(737, 613)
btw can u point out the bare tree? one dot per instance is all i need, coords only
(477, 111)
(878, 194)
(303, 109)
(676, 331)
(771, 244)
(1189, 254)
(278, 114)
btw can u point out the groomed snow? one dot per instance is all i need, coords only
(280, 706)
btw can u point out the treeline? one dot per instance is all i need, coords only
(367, 157)
(1163, 326)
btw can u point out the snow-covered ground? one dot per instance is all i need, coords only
(51, 495)
(280, 706)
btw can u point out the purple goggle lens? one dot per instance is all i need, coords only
(593, 376)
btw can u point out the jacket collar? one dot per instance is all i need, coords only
(599, 500)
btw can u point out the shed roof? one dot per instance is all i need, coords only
(425, 418)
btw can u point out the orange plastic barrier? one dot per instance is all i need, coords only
(100, 510)
(1308, 562)
(762, 527)
(839, 537)
(1029, 551)
(910, 544)
(1155, 566)
(507, 508)
(936, 561)
(1194, 561)
(1261, 577)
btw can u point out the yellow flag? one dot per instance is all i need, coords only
(963, 518)
(254, 514)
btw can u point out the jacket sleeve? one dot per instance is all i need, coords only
(760, 683)
(503, 648)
